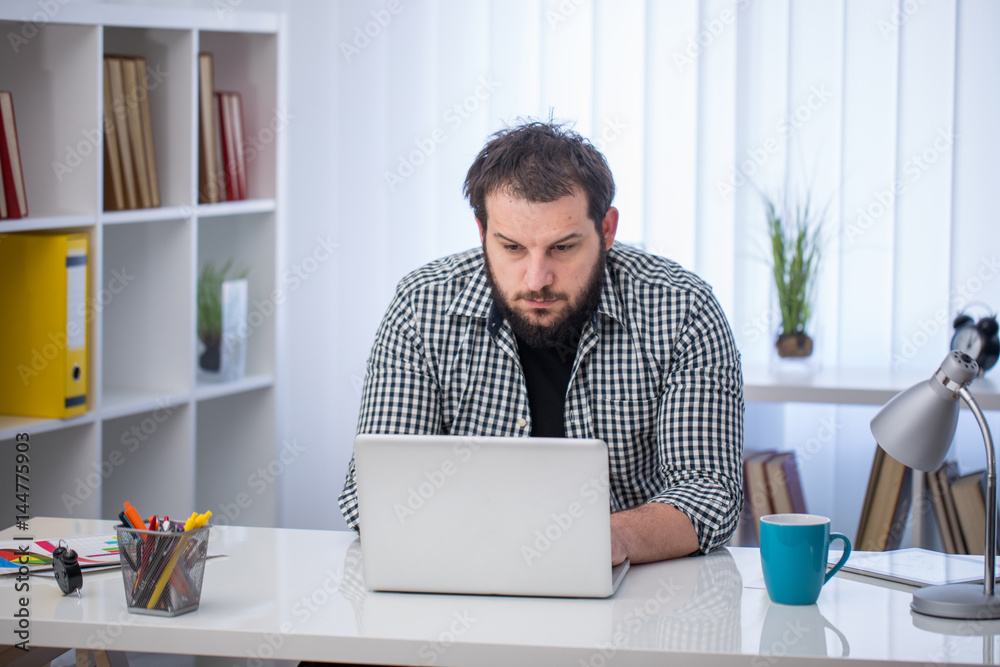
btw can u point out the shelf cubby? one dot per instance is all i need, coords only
(53, 77)
(170, 68)
(249, 241)
(246, 63)
(145, 299)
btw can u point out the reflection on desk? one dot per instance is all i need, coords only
(300, 595)
(693, 607)
(798, 630)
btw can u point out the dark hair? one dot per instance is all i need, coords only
(540, 162)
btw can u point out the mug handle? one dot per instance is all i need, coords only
(843, 558)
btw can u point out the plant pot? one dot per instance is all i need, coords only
(796, 345)
(211, 358)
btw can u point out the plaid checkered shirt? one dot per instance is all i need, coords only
(656, 376)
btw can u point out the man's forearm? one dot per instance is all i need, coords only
(651, 532)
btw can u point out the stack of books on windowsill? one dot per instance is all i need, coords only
(771, 486)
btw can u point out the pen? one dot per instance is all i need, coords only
(165, 574)
(133, 517)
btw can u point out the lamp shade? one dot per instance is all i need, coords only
(917, 425)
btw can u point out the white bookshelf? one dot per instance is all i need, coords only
(157, 433)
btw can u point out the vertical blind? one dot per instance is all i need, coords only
(884, 111)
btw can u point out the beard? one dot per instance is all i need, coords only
(568, 328)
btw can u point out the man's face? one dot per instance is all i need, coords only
(545, 263)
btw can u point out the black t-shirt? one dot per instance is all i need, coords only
(546, 373)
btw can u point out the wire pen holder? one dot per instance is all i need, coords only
(162, 570)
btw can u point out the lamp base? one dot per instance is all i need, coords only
(967, 601)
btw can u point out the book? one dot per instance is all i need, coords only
(947, 475)
(147, 131)
(915, 567)
(236, 100)
(43, 360)
(136, 133)
(866, 507)
(114, 184)
(886, 506)
(940, 513)
(119, 112)
(10, 160)
(226, 124)
(784, 484)
(208, 134)
(903, 494)
(3, 195)
(756, 490)
(970, 505)
(233, 160)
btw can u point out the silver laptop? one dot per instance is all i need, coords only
(485, 515)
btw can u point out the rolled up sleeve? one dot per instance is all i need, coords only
(700, 426)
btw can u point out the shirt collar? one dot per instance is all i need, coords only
(475, 299)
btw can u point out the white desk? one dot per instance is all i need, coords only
(298, 594)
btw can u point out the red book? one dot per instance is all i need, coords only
(236, 102)
(10, 159)
(228, 145)
(3, 196)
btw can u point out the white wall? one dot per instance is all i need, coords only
(888, 109)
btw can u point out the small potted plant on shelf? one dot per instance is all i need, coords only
(210, 312)
(795, 235)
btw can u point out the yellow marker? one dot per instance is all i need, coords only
(196, 520)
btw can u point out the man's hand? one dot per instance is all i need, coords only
(651, 532)
(619, 550)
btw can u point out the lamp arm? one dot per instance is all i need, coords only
(989, 560)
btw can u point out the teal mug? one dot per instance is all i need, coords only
(793, 554)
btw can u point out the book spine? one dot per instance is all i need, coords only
(10, 159)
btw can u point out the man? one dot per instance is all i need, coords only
(552, 329)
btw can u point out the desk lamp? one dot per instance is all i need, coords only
(916, 428)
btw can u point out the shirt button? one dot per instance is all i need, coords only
(522, 422)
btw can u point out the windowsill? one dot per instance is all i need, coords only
(854, 386)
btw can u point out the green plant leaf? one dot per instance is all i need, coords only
(796, 240)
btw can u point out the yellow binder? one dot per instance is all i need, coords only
(43, 339)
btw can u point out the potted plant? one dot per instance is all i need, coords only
(210, 311)
(795, 237)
